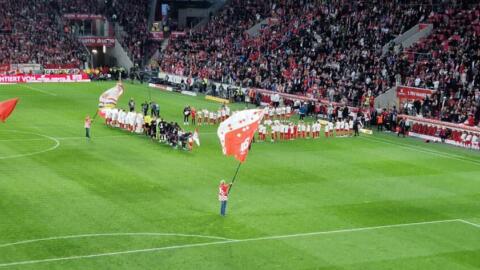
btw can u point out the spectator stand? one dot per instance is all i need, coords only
(440, 131)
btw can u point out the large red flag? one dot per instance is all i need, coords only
(7, 107)
(236, 133)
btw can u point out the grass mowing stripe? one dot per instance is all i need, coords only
(229, 242)
(38, 90)
(423, 150)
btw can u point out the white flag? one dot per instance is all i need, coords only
(110, 97)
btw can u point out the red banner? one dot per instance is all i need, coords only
(273, 20)
(413, 93)
(177, 34)
(44, 78)
(98, 41)
(55, 66)
(157, 36)
(4, 68)
(73, 16)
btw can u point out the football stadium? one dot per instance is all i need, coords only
(239, 134)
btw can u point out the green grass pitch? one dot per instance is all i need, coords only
(124, 202)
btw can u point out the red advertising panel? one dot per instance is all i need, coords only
(441, 124)
(4, 68)
(177, 34)
(157, 36)
(413, 93)
(44, 78)
(74, 16)
(98, 41)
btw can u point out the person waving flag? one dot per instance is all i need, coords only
(223, 190)
(6, 108)
(236, 135)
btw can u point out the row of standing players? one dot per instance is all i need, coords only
(206, 117)
(279, 130)
(153, 126)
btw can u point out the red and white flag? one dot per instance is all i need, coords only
(6, 108)
(110, 97)
(236, 133)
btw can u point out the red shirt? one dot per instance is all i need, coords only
(223, 192)
(224, 189)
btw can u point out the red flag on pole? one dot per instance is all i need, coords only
(236, 133)
(7, 107)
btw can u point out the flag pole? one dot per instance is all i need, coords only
(234, 177)
(95, 115)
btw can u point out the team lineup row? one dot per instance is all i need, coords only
(287, 130)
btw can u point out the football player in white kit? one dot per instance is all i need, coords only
(108, 116)
(330, 129)
(350, 127)
(114, 113)
(139, 122)
(338, 128)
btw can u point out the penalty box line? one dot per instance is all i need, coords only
(232, 241)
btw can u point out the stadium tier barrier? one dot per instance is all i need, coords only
(47, 78)
(431, 130)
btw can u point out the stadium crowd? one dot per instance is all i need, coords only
(448, 61)
(323, 49)
(132, 16)
(30, 33)
(334, 51)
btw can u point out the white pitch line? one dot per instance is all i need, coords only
(470, 223)
(109, 234)
(423, 150)
(22, 140)
(225, 242)
(98, 137)
(70, 138)
(39, 90)
(57, 144)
